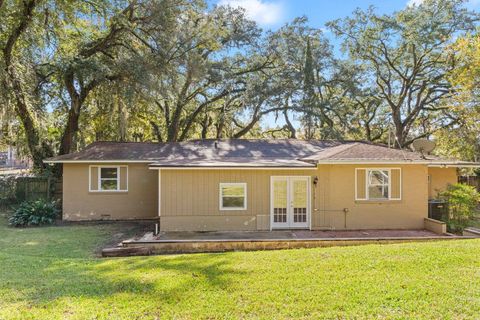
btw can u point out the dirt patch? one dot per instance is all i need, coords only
(120, 230)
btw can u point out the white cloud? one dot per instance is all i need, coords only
(414, 2)
(469, 3)
(263, 12)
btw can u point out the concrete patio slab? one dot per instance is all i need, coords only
(291, 234)
(192, 242)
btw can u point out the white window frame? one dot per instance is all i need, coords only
(367, 195)
(99, 178)
(220, 196)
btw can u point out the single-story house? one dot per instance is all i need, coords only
(255, 184)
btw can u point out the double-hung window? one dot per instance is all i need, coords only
(108, 178)
(233, 196)
(378, 184)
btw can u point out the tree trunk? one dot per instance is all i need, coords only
(156, 131)
(291, 128)
(71, 128)
(122, 120)
(205, 124)
(38, 150)
(173, 128)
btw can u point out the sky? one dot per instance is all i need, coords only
(272, 14)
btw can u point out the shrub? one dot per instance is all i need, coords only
(34, 213)
(462, 202)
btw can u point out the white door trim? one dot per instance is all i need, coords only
(289, 208)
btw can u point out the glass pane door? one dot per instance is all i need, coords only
(299, 201)
(290, 203)
(280, 201)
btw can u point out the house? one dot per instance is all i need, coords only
(217, 185)
(11, 159)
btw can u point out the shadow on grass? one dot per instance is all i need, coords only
(44, 280)
(41, 265)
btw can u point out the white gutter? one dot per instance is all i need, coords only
(232, 168)
(388, 162)
(374, 162)
(458, 165)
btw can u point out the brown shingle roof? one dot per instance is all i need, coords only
(367, 151)
(242, 153)
(209, 149)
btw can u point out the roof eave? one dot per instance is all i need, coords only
(454, 165)
(53, 161)
(232, 167)
(373, 161)
(429, 163)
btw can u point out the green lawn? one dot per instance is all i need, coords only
(52, 273)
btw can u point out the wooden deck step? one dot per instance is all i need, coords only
(472, 232)
(126, 251)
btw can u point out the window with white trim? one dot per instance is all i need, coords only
(108, 178)
(378, 184)
(233, 196)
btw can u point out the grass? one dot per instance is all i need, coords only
(52, 273)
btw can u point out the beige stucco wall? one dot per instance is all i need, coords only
(190, 200)
(139, 202)
(440, 178)
(336, 192)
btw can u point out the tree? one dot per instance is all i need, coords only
(309, 97)
(305, 80)
(405, 57)
(18, 87)
(93, 61)
(201, 77)
(463, 139)
(55, 54)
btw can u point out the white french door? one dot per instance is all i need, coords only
(290, 202)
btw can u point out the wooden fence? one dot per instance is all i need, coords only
(471, 181)
(15, 190)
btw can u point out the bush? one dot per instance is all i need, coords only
(34, 213)
(462, 202)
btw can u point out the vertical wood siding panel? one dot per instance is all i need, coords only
(191, 191)
(123, 178)
(164, 175)
(196, 192)
(181, 187)
(175, 188)
(166, 207)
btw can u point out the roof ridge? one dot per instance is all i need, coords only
(347, 146)
(239, 139)
(343, 147)
(111, 141)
